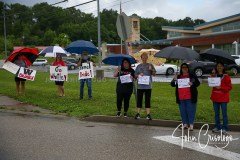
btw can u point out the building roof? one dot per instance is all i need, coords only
(179, 29)
(218, 22)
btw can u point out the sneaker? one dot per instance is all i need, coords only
(224, 131)
(215, 130)
(125, 114)
(149, 117)
(118, 114)
(137, 116)
(191, 128)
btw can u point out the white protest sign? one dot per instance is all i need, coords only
(11, 67)
(214, 81)
(126, 78)
(183, 83)
(144, 80)
(58, 73)
(86, 71)
(27, 74)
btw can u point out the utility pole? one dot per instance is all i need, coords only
(121, 38)
(99, 35)
(5, 32)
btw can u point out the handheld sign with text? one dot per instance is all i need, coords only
(11, 67)
(26, 73)
(183, 83)
(144, 80)
(58, 73)
(214, 81)
(86, 71)
(126, 78)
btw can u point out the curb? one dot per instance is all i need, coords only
(154, 122)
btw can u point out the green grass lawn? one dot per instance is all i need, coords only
(42, 92)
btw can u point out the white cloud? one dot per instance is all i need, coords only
(169, 9)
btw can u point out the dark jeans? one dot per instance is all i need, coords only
(223, 107)
(187, 111)
(140, 93)
(121, 96)
(89, 85)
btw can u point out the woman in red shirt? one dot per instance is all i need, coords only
(220, 98)
(59, 62)
(186, 96)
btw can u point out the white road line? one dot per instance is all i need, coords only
(217, 152)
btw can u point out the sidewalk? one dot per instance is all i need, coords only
(8, 104)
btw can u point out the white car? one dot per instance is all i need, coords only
(237, 59)
(40, 62)
(167, 69)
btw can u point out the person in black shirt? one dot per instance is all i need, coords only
(124, 87)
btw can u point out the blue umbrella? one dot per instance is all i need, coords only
(81, 46)
(116, 59)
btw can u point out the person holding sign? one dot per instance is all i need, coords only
(144, 73)
(20, 82)
(59, 84)
(85, 59)
(124, 88)
(220, 97)
(186, 95)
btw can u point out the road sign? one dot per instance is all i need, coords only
(123, 26)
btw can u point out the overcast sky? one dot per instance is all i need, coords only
(169, 9)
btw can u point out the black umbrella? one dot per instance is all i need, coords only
(177, 53)
(217, 55)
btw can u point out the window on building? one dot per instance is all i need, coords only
(227, 27)
(135, 24)
(174, 34)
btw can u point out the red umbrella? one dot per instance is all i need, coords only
(29, 54)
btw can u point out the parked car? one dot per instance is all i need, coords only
(237, 59)
(167, 69)
(206, 67)
(72, 60)
(70, 65)
(40, 62)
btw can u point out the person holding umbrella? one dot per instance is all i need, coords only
(220, 98)
(187, 96)
(59, 62)
(144, 70)
(85, 59)
(124, 89)
(20, 82)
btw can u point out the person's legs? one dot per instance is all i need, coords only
(18, 87)
(182, 109)
(216, 107)
(139, 99)
(127, 97)
(119, 100)
(89, 85)
(82, 81)
(191, 112)
(148, 93)
(225, 117)
(22, 87)
(62, 90)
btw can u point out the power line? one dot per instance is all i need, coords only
(58, 2)
(81, 4)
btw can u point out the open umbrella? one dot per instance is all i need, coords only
(53, 51)
(81, 46)
(177, 53)
(30, 55)
(217, 55)
(116, 59)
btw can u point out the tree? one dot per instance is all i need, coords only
(61, 40)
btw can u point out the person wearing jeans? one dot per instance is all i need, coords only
(186, 97)
(85, 59)
(220, 97)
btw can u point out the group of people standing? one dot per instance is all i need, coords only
(186, 98)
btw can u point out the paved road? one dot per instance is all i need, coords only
(40, 138)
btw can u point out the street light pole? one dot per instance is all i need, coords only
(5, 32)
(99, 35)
